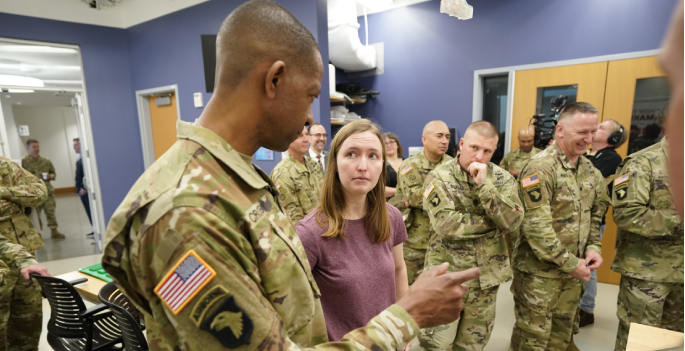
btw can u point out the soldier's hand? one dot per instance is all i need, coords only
(515, 172)
(435, 297)
(478, 171)
(34, 268)
(406, 204)
(594, 259)
(581, 271)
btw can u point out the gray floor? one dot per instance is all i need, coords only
(73, 222)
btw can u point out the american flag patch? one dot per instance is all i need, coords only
(406, 169)
(185, 280)
(624, 178)
(532, 180)
(278, 186)
(429, 190)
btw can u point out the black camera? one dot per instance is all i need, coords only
(545, 124)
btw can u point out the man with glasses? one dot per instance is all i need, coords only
(317, 141)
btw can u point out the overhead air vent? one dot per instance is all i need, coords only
(97, 4)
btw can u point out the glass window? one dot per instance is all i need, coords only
(649, 110)
(545, 95)
(495, 101)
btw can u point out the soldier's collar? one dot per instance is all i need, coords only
(459, 173)
(561, 155)
(300, 167)
(224, 152)
(664, 146)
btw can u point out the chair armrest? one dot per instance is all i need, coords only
(94, 310)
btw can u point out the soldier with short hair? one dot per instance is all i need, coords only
(298, 179)
(564, 198)
(413, 172)
(42, 168)
(649, 256)
(514, 161)
(471, 203)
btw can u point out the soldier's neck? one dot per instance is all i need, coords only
(34, 156)
(596, 146)
(432, 156)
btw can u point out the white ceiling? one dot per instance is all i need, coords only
(39, 98)
(56, 67)
(375, 6)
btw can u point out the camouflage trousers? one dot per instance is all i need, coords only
(21, 312)
(414, 259)
(49, 207)
(545, 310)
(649, 303)
(471, 331)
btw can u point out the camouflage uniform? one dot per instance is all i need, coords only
(564, 205)
(20, 190)
(469, 222)
(650, 250)
(517, 159)
(299, 185)
(37, 166)
(413, 172)
(203, 198)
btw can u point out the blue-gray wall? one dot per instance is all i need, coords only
(430, 57)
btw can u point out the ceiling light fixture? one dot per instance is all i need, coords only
(20, 81)
(36, 49)
(21, 91)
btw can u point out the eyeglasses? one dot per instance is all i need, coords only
(319, 135)
(390, 142)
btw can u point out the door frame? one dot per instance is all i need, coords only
(479, 75)
(143, 102)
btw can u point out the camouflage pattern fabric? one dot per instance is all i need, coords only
(299, 185)
(410, 179)
(472, 330)
(517, 159)
(650, 303)
(20, 305)
(649, 256)
(545, 309)
(37, 166)
(651, 242)
(564, 205)
(203, 198)
(414, 260)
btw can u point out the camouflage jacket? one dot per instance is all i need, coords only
(410, 178)
(517, 159)
(19, 189)
(564, 205)
(299, 185)
(650, 245)
(37, 166)
(203, 207)
(470, 220)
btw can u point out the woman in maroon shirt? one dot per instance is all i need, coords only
(354, 239)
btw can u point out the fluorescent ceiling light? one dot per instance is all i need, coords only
(376, 4)
(40, 49)
(21, 91)
(20, 81)
(23, 67)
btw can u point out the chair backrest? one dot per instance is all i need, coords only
(65, 306)
(127, 315)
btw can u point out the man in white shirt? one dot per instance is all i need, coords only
(317, 141)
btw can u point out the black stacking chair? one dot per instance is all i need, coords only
(72, 327)
(127, 315)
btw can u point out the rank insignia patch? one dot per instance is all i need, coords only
(190, 274)
(229, 324)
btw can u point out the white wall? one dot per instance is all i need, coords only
(54, 128)
(12, 134)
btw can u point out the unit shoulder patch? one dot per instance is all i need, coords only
(185, 280)
(229, 324)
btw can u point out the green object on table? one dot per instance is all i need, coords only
(97, 271)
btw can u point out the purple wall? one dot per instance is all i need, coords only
(111, 100)
(430, 57)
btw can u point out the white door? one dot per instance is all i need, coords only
(90, 170)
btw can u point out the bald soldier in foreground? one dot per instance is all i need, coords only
(514, 161)
(413, 172)
(202, 246)
(471, 204)
(564, 198)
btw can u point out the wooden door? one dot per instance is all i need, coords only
(623, 77)
(163, 120)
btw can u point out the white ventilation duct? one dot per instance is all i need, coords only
(345, 50)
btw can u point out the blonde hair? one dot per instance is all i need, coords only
(332, 204)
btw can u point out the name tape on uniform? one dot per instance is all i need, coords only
(406, 169)
(428, 191)
(624, 178)
(532, 180)
(185, 280)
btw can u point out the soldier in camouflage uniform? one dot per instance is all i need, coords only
(514, 161)
(471, 204)
(564, 198)
(38, 165)
(201, 244)
(299, 179)
(408, 200)
(650, 250)
(20, 190)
